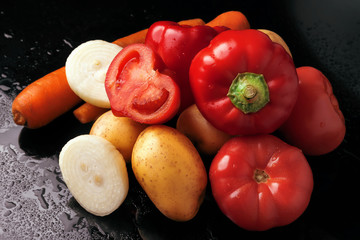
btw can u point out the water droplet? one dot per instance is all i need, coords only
(68, 221)
(4, 88)
(7, 213)
(39, 193)
(68, 43)
(9, 204)
(7, 35)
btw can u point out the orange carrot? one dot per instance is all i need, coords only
(87, 112)
(232, 19)
(138, 37)
(44, 100)
(192, 22)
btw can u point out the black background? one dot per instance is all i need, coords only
(37, 36)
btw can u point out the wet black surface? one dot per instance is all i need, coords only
(36, 38)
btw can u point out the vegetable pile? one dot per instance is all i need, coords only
(236, 97)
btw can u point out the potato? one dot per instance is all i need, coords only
(170, 170)
(276, 38)
(122, 132)
(206, 138)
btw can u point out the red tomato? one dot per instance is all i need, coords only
(316, 124)
(139, 87)
(260, 182)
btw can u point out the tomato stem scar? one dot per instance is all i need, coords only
(260, 176)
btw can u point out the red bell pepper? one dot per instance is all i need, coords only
(140, 87)
(316, 124)
(177, 45)
(244, 83)
(260, 182)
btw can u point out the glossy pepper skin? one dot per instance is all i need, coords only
(140, 87)
(316, 124)
(243, 83)
(177, 45)
(260, 182)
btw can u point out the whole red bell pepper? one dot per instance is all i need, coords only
(177, 45)
(316, 124)
(260, 182)
(243, 83)
(139, 86)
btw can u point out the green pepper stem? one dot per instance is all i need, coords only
(249, 92)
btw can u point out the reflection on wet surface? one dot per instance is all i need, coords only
(34, 200)
(33, 196)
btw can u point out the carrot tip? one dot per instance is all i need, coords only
(19, 119)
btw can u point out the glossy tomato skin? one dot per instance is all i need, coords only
(261, 182)
(231, 52)
(316, 124)
(140, 87)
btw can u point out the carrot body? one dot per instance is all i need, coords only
(138, 37)
(87, 112)
(192, 22)
(234, 20)
(44, 100)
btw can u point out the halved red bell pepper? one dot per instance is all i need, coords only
(243, 83)
(140, 87)
(261, 182)
(177, 45)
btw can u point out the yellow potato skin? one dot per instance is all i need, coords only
(206, 138)
(170, 170)
(276, 38)
(122, 132)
